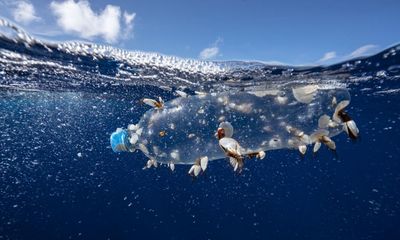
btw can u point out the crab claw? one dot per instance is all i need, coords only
(351, 129)
(154, 103)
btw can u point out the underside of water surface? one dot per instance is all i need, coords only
(60, 179)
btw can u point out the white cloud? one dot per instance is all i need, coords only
(212, 51)
(128, 21)
(328, 56)
(24, 12)
(128, 17)
(208, 53)
(363, 51)
(79, 18)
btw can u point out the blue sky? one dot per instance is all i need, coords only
(287, 31)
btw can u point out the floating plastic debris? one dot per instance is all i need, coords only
(190, 129)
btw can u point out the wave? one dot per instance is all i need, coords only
(29, 63)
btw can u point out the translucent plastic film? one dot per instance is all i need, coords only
(184, 129)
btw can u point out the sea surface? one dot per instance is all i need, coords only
(59, 179)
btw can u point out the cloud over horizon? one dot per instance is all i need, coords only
(79, 18)
(363, 51)
(328, 56)
(211, 52)
(24, 12)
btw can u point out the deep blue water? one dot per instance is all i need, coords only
(59, 178)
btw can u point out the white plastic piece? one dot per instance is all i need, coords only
(305, 94)
(261, 129)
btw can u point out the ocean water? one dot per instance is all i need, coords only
(59, 179)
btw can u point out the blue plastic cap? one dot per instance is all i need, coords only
(119, 141)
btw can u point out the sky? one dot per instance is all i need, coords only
(286, 31)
